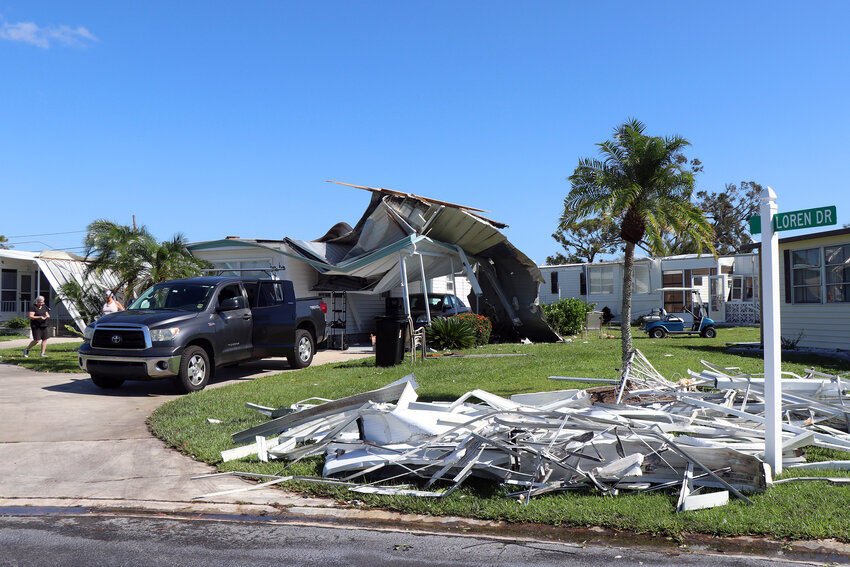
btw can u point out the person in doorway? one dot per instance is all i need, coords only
(39, 314)
(112, 305)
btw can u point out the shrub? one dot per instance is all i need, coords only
(18, 323)
(567, 316)
(480, 324)
(450, 333)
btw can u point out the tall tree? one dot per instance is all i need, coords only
(136, 258)
(727, 212)
(643, 184)
(3, 241)
(584, 240)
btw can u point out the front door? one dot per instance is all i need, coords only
(717, 298)
(26, 292)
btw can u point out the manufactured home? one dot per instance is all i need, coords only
(728, 285)
(814, 289)
(26, 275)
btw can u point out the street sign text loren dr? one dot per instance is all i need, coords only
(807, 218)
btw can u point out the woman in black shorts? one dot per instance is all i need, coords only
(39, 314)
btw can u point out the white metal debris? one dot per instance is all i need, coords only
(641, 432)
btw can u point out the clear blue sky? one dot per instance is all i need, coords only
(226, 118)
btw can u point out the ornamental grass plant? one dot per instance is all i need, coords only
(450, 333)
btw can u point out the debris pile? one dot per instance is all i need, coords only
(637, 433)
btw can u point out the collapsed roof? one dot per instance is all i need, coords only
(442, 239)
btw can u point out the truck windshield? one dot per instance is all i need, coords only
(180, 297)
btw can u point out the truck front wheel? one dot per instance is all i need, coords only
(657, 333)
(194, 370)
(709, 332)
(106, 382)
(304, 349)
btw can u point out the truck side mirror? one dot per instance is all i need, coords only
(228, 304)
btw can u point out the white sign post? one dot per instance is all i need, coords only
(771, 333)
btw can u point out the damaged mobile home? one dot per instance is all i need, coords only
(702, 436)
(400, 244)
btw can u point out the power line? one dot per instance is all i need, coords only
(46, 234)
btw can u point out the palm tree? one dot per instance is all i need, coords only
(118, 249)
(639, 183)
(167, 260)
(136, 258)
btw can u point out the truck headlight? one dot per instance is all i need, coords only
(88, 333)
(160, 335)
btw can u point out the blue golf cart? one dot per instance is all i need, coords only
(659, 326)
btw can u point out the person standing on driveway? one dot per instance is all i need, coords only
(112, 305)
(39, 314)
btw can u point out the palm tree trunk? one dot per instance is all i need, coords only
(626, 311)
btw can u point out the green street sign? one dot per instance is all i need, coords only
(807, 218)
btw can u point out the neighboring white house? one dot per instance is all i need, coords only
(814, 273)
(728, 285)
(26, 275)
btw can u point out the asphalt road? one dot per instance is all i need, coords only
(105, 540)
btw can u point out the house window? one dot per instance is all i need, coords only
(806, 275)
(744, 288)
(837, 262)
(9, 291)
(554, 283)
(601, 279)
(242, 268)
(640, 284)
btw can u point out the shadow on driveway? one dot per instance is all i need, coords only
(80, 383)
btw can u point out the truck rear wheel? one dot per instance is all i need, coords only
(657, 333)
(304, 349)
(106, 382)
(195, 370)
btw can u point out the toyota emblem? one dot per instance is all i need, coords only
(116, 339)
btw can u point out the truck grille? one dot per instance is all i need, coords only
(118, 338)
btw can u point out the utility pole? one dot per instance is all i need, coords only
(134, 223)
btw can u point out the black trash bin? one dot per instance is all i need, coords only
(389, 340)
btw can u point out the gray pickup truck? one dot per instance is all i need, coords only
(184, 329)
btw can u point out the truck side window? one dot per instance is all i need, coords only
(232, 291)
(270, 293)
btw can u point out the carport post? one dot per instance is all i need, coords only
(771, 332)
(402, 268)
(424, 289)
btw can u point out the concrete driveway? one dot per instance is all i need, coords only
(66, 442)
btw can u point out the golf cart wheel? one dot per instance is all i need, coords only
(658, 333)
(709, 333)
(106, 382)
(195, 370)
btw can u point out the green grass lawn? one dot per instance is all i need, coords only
(796, 510)
(11, 337)
(61, 357)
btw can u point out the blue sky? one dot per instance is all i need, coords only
(221, 118)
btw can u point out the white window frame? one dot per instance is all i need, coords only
(645, 286)
(599, 284)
